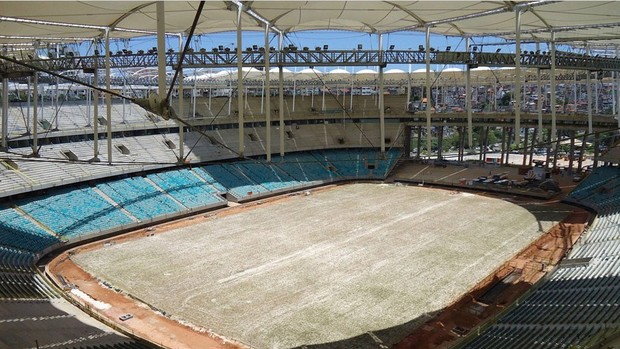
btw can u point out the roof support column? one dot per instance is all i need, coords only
(108, 97)
(428, 91)
(517, 94)
(240, 104)
(470, 128)
(381, 100)
(539, 102)
(95, 112)
(553, 87)
(161, 49)
(575, 91)
(617, 89)
(35, 114)
(596, 111)
(181, 113)
(589, 92)
(281, 94)
(408, 103)
(28, 101)
(5, 113)
(267, 96)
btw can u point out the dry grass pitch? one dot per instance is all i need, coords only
(323, 268)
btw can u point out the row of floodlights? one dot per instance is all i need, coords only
(290, 47)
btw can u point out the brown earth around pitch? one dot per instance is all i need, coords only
(472, 310)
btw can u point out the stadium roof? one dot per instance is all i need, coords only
(572, 21)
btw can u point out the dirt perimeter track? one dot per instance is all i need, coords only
(358, 265)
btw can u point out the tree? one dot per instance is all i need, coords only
(506, 99)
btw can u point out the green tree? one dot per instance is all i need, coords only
(506, 99)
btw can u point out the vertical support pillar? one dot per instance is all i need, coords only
(56, 105)
(428, 92)
(517, 95)
(480, 143)
(508, 144)
(108, 97)
(419, 145)
(470, 128)
(539, 102)
(533, 143)
(596, 95)
(617, 89)
(192, 99)
(571, 152)
(548, 157)
(240, 104)
(503, 150)
(461, 131)
(597, 142)
(295, 94)
(407, 141)
(439, 141)
(552, 84)
(161, 49)
(486, 142)
(580, 162)
(525, 148)
(324, 87)
(267, 96)
(88, 102)
(5, 113)
(35, 113)
(381, 100)
(351, 94)
(28, 101)
(123, 91)
(281, 95)
(575, 91)
(556, 148)
(181, 111)
(96, 112)
(589, 92)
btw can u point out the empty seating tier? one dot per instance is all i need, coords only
(140, 198)
(573, 305)
(73, 213)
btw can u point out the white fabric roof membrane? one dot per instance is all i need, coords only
(573, 21)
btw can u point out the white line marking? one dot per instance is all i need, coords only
(450, 175)
(415, 175)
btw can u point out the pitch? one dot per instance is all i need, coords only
(364, 261)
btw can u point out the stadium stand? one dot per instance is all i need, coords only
(578, 304)
(186, 188)
(236, 183)
(74, 212)
(17, 232)
(140, 198)
(303, 167)
(39, 222)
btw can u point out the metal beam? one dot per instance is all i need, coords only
(5, 113)
(553, 88)
(267, 96)
(517, 93)
(381, 100)
(240, 104)
(428, 92)
(180, 112)
(470, 128)
(108, 97)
